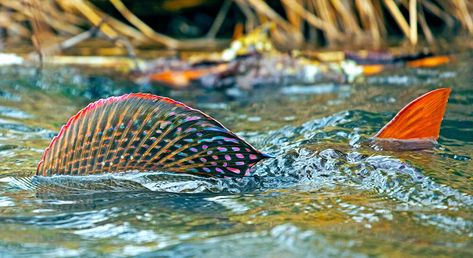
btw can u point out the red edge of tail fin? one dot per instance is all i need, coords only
(420, 119)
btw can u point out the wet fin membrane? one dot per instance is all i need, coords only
(144, 132)
(419, 119)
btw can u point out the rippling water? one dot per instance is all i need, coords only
(326, 192)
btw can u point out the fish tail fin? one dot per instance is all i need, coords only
(420, 119)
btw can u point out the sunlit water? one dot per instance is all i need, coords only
(326, 192)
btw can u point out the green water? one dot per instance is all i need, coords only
(325, 194)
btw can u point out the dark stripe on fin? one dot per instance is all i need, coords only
(143, 132)
(418, 120)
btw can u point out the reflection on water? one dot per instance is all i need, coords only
(327, 192)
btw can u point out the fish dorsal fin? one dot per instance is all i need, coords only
(143, 132)
(419, 119)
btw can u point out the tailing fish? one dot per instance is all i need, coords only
(143, 132)
(417, 125)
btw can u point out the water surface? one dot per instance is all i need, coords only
(326, 192)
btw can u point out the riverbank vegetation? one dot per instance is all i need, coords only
(53, 25)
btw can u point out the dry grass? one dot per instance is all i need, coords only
(48, 23)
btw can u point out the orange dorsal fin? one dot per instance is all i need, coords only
(419, 119)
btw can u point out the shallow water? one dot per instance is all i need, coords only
(326, 192)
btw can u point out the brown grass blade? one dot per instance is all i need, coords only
(348, 17)
(425, 27)
(262, 8)
(413, 21)
(145, 29)
(89, 13)
(399, 18)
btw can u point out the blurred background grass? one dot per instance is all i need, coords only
(52, 25)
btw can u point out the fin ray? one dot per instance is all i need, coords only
(420, 119)
(144, 132)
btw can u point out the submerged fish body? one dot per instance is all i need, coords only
(144, 132)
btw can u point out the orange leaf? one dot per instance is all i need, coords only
(372, 69)
(429, 61)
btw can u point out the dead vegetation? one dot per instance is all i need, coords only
(52, 25)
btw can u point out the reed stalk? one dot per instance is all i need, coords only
(321, 22)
